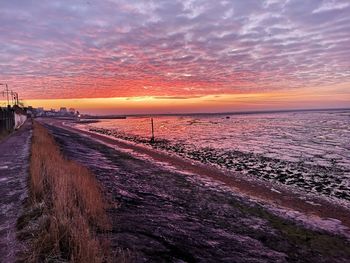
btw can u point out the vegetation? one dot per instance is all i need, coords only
(65, 209)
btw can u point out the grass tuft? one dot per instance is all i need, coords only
(65, 208)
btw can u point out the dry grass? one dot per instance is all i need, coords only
(72, 208)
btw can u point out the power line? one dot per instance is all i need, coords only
(14, 95)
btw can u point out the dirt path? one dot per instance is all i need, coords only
(162, 215)
(14, 158)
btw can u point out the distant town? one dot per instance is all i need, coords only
(62, 112)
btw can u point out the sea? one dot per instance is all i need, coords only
(307, 150)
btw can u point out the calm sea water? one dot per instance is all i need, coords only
(309, 149)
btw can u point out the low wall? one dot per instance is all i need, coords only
(19, 120)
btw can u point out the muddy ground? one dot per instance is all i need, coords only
(162, 215)
(328, 181)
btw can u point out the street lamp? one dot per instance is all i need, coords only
(14, 96)
(17, 98)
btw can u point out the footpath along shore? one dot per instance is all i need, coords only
(166, 214)
(14, 163)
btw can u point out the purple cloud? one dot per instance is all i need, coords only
(61, 49)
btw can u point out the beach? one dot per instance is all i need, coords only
(170, 209)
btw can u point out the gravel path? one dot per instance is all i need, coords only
(162, 215)
(14, 159)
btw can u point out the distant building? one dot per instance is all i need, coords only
(30, 111)
(63, 110)
(51, 113)
(39, 112)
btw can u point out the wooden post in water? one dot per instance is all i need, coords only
(152, 138)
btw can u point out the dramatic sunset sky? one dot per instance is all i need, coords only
(166, 56)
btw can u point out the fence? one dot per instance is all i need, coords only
(7, 120)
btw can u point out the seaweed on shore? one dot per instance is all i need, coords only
(328, 181)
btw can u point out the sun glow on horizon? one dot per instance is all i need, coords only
(289, 99)
(176, 53)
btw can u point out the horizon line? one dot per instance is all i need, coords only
(221, 113)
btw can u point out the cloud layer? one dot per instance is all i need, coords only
(178, 48)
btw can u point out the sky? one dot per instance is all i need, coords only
(167, 56)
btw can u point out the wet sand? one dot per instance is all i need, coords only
(305, 174)
(189, 212)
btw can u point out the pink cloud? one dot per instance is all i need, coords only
(79, 49)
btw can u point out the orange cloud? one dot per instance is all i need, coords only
(291, 99)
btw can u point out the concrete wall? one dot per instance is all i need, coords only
(19, 120)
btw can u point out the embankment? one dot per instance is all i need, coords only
(65, 208)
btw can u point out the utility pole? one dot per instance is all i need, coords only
(11, 97)
(14, 95)
(7, 92)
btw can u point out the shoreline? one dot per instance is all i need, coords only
(274, 196)
(300, 176)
